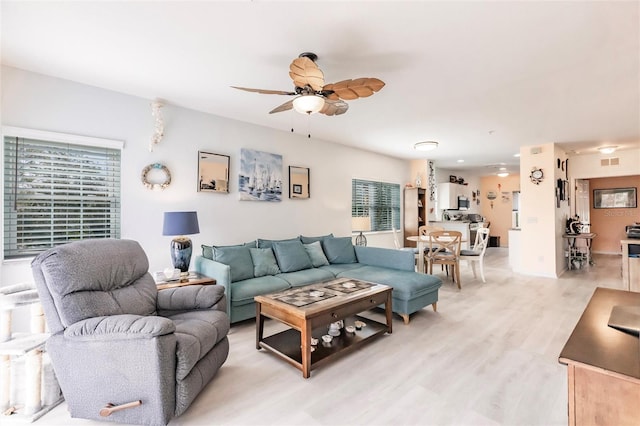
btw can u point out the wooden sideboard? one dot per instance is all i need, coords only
(603, 365)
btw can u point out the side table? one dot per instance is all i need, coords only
(194, 278)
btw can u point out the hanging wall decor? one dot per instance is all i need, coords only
(156, 176)
(213, 172)
(260, 176)
(299, 182)
(158, 123)
(432, 181)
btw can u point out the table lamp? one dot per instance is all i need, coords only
(361, 224)
(180, 224)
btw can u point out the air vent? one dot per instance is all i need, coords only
(610, 161)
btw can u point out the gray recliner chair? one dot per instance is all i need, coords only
(121, 350)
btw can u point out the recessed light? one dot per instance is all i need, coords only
(425, 146)
(460, 161)
(517, 154)
(607, 149)
(503, 174)
(502, 169)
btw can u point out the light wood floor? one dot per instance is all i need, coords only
(489, 356)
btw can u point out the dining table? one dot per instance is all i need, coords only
(422, 242)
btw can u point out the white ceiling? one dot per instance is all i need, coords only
(481, 78)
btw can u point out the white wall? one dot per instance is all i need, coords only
(538, 213)
(587, 166)
(40, 102)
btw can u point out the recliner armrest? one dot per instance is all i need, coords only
(191, 297)
(120, 327)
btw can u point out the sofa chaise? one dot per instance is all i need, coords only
(269, 266)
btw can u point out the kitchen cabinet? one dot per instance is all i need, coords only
(448, 194)
(415, 212)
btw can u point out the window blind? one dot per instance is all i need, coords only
(57, 192)
(379, 201)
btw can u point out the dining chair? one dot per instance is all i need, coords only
(426, 230)
(444, 249)
(476, 254)
(397, 242)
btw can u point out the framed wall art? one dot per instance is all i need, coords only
(260, 176)
(298, 182)
(615, 198)
(213, 172)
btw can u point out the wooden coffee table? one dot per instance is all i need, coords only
(309, 316)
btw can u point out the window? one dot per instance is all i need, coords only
(58, 188)
(375, 206)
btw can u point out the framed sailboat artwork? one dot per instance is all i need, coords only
(260, 176)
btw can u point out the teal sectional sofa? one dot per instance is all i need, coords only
(269, 266)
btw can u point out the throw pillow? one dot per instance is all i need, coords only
(264, 262)
(238, 258)
(339, 250)
(314, 250)
(207, 251)
(309, 240)
(291, 256)
(269, 243)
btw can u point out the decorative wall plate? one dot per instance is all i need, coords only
(536, 176)
(156, 176)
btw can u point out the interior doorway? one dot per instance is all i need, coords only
(583, 204)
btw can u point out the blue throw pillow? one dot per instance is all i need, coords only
(269, 243)
(339, 250)
(207, 251)
(291, 256)
(238, 258)
(309, 240)
(264, 262)
(314, 250)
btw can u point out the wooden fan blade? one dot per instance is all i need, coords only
(332, 107)
(264, 91)
(354, 89)
(303, 71)
(284, 107)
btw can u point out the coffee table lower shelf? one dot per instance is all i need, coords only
(286, 344)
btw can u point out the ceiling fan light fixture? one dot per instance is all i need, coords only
(425, 146)
(308, 104)
(607, 149)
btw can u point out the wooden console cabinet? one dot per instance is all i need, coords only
(603, 365)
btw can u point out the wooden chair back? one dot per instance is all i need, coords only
(445, 245)
(396, 238)
(427, 229)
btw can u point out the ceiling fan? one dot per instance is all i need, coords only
(313, 95)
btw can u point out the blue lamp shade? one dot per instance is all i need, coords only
(181, 224)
